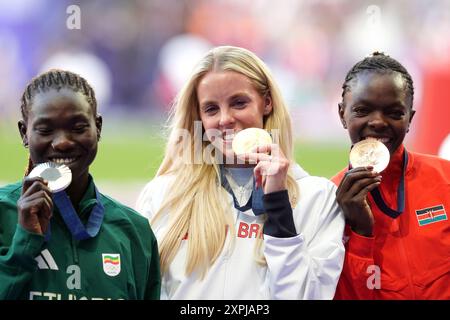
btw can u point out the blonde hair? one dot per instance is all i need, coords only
(196, 203)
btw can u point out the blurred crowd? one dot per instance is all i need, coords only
(137, 53)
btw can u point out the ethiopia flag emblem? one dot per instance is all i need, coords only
(430, 215)
(111, 264)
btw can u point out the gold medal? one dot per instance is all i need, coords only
(58, 176)
(247, 139)
(370, 152)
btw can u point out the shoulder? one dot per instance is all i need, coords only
(11, 192)
(430, 161)
(153, 194)
(158, 184)
(117, 212)
(317, 206)
(309, 183)
(317, 194)
(316, 188)
(337, 178)
(429, 167)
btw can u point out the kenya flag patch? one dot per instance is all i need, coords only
(430, 215)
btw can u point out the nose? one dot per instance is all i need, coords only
(62, 142)
(377, 121)
(226, 118)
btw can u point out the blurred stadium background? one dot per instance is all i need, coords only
(137, 53)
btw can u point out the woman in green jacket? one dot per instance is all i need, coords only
(79, 243)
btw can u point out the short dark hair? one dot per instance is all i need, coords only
(57, 79)
(379, 62)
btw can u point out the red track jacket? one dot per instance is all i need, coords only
(411, 253)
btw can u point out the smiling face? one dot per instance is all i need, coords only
(61, 127)
(378, 106)
(229, 103)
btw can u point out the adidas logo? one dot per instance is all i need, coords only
(46, 261)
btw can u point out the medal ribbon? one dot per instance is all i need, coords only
(73, 222)
(378, 198)
(256, 199)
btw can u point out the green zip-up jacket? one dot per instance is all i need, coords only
(120, 262)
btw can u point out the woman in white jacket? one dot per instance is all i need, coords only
(257, 227)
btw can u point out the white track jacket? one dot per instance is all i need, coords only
(306, 266)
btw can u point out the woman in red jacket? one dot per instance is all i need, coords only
(398, 232)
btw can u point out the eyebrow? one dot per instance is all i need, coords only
(396, 104)
(74, 118)
(238, 95)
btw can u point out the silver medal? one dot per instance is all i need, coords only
(58, 176)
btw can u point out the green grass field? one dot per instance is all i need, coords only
(134, 154)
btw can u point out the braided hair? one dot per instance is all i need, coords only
(55, 79)
(380, 63)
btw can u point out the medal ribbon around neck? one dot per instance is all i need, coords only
(256, 199)
(378, 198)
(73, 222)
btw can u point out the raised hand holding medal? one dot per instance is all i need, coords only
(368, 158)
(58, 178)
(255, 145)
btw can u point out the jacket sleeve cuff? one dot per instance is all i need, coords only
(360, 246)
(280, 222)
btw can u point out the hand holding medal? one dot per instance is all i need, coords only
(35, 206)
(255, 145)
(368, 158)
(59, 177)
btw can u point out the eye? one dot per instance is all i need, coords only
(396, 114)
(80, 127)
(239, 103)
(210, 109)
(43, 130)
(361, 111)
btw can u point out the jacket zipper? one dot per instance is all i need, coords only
(407, 263)
(74, 250)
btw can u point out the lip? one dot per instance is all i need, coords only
(63, 159)
(383, 139)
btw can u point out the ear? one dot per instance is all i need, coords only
(268, 105)
(411, 116)
(98, 125)
(341, 108)
(23, 132)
